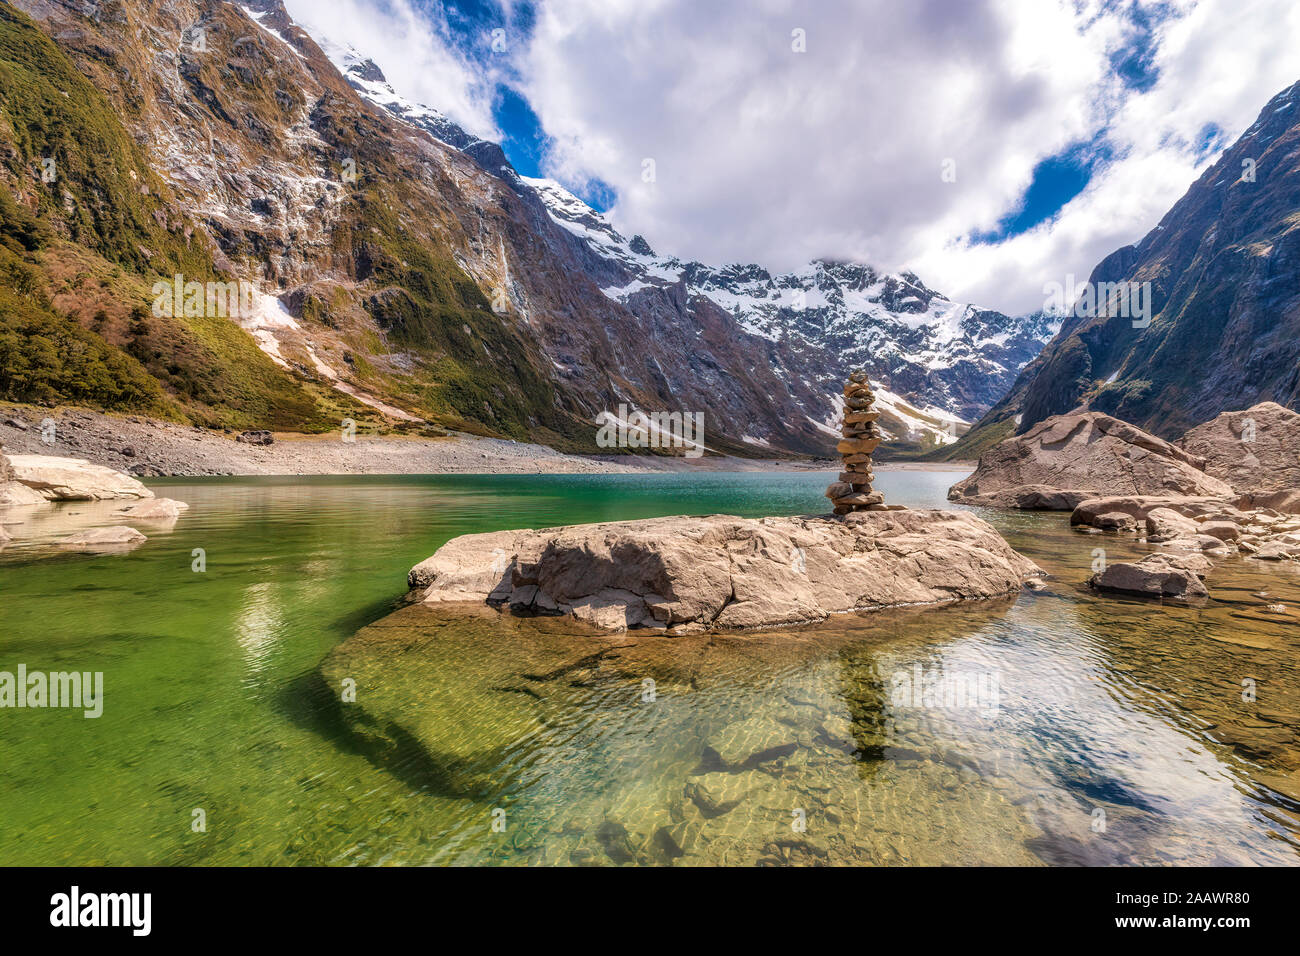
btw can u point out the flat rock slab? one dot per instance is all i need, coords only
(73, 479)
(1029, 498)
(718, 572)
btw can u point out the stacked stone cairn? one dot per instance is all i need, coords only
(852, 492)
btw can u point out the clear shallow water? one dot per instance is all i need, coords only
(1118, 732)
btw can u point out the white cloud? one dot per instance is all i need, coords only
(767, 155)
(414, 51)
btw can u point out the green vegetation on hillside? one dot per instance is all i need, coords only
(79, 253)
(47, 357)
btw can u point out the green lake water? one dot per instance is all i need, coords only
(1119, 731)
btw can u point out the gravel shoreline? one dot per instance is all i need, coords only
(147, 447)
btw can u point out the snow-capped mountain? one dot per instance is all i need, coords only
(947, 358)
(936, 364)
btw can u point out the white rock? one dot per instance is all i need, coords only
(74, 479)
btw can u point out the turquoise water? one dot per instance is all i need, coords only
(216, 701)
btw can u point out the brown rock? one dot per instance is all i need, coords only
(1028, 498)
(860, 418)
(1166, 524)
(74, 479)
(1139, 506)
(859, 498)
(838, 489)
(1115, 521)
(1153, 576)
(1222, 530)
(857, 446)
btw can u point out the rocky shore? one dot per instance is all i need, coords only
(1230, 486)
(146, 447)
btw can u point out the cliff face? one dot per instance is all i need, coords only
(1224, 268)
(396, 266)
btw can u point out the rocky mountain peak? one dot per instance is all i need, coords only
(1221, 269)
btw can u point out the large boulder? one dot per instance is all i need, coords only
(1087, 452)
(74, 479)
(692, 573)
(1256, 451)
(1157, 575)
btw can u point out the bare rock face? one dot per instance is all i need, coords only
(1087, 451)
(716, 572)
(74, 479)
(1256, 451)
(1156, 575)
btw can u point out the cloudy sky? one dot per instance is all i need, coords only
(990, 145)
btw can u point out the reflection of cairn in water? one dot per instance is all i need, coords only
(867, 696)
(852, 492)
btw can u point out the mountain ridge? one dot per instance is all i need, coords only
(1224, 271)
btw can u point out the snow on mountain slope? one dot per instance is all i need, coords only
(934, 353)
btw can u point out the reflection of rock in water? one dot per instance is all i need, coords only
(714, 749)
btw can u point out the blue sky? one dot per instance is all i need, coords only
(469, 25)
(780, 132)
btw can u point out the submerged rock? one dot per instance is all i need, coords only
(155, 509)
(1087, 451)
(695, 573)
(104, 539)
(74, 479)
